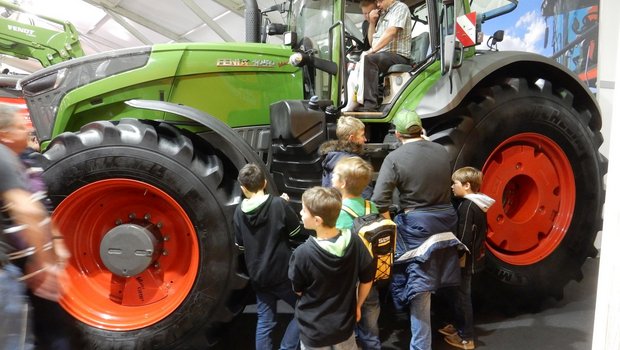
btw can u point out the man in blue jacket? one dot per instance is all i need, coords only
(426, 256)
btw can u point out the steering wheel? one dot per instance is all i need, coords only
(352, 44)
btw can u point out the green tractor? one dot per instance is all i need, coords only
(143, 147)
(26, 40)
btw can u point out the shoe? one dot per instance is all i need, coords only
(456, 341)
(448, 330)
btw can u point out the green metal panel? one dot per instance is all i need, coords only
(236, 83)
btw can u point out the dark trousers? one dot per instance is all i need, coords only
(374, 64)
(464, 313)
(266, 310)
(53, 326)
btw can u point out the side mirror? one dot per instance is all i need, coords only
(290, 39)
(276, 28)
(497, 37)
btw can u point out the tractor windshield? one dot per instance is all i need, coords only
(311, 20)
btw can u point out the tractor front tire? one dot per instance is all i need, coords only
(162, 200)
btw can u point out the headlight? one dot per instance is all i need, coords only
(46, 88)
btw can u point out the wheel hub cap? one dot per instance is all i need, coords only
(128, 249)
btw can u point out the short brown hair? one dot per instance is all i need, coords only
(356, 173)
(251, 177)
(347, 126)
(323, 202)
(471, 175)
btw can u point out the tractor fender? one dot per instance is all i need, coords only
(217, 126)
(451, 89)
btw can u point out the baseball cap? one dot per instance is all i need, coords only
(406, 122)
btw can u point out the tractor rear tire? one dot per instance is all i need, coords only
(176, 186)
(538, 151)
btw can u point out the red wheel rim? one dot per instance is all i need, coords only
(533, 183)
(101, 299)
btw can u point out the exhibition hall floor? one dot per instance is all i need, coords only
(565, 324)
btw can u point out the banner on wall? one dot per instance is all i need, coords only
(565, 30)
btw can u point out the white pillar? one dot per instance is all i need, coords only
(607, 316)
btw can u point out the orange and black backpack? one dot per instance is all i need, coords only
(379, 236)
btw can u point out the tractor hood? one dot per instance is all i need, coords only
(226, 80)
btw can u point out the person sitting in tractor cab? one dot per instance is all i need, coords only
(355, 75)
(390, 33)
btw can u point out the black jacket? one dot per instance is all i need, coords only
(333, 151)
(263, 232)
(325, 311)
(472, 229)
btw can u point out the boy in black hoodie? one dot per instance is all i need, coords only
(325, 270)
(472, 231)
(263, 225)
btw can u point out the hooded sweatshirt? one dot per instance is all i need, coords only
(326, 272)
(333, 151)
(472, 228)
(263, 225)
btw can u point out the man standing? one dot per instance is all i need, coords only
(23, 236)
(420, 170)
(390, 30)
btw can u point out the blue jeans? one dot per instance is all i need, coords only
(367, 329)
(15, 332)
(420, 314)
(266, 308)
(464, 312)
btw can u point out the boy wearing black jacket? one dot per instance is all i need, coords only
(263, 226)
(325, 270)
(472, 230)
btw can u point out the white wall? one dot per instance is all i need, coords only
(607, 316)
(607, 47)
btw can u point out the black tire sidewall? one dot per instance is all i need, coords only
(546, 114)
(200, 203)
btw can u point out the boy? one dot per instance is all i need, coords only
(324, 271)
(263, 225)
(350, 177)
(350, 132)
(472, 229)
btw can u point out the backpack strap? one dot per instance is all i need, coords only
(349, 211)
(366, 207)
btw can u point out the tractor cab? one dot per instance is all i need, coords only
(327, 38)
(325, 32)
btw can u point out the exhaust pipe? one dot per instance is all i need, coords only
(252, 21)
